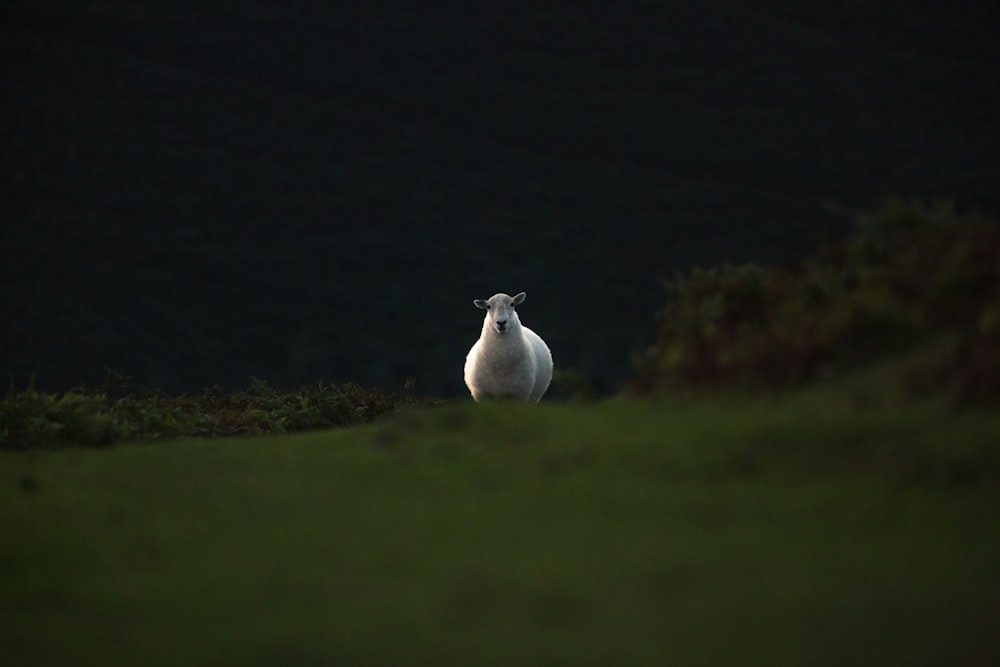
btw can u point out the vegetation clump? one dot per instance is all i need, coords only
(30, 418)
(916, 284)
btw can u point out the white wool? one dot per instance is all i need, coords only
(509, 360)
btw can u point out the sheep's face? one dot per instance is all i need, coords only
(500, 310)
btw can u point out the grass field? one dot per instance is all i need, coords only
(802, 530)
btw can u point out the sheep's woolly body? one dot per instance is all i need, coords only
(509, 360)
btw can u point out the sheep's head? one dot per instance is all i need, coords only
(500, 310)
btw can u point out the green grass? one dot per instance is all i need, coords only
(791, 531)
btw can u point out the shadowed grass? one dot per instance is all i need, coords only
(803, 530)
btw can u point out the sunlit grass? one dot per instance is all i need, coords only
(801, 530)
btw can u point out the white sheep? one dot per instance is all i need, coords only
(509, 360)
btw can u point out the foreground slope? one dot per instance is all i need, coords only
(796, 531)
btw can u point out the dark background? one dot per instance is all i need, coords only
(197, 193)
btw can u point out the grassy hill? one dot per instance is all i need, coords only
(806, 471)
(810, 529)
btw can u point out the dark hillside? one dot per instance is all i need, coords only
(195, 195)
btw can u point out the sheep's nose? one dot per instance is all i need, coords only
(501, 324)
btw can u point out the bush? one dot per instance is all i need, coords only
(570, 385)
(31, 419)
(908, 275)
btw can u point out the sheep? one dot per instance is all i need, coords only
(509, 360)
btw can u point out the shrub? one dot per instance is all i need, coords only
(909, 274)
(31, 419)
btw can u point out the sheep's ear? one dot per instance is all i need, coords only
(480, 304)
(519, 298)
